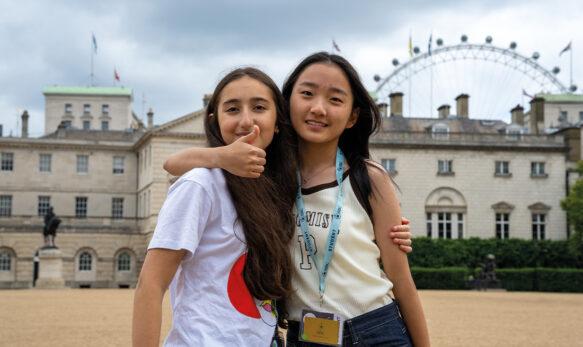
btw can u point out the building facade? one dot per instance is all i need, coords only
(457, 177)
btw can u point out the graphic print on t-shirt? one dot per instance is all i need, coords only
(241, 298)
(314, 220)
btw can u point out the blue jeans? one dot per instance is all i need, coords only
(381, 327)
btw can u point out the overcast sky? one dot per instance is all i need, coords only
(173, 52)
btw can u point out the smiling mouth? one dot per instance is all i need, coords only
(243, 134)
(318, 124)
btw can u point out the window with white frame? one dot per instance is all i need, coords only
(445, 166)
(444, 225)
(6, 205)
(7, 163)
(502, 168)
(44, 202)
(124, 262)
(86, 125)
(81, 206)
(82, 163)
(117, 207)
(537, 168)
(44, 163)
(460, 226)
(86, 109)
(105, 109)
(118, 165)
(538, 226)
(502, 225)
(440, 131)
(390, 165)
(104, 125)
(68, 109)
(85, 261)
(429, 224)
(5, 261)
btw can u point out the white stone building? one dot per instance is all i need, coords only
(100, 168)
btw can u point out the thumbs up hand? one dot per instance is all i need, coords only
(242, 158)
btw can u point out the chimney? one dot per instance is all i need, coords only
(383, 109)
(205, 99)
(150, 119)
(62, 130)
(396, 104)
(24, 123)
(462, 105)
(517, 115)
(0, 130)
(443, 111)
(537, 115)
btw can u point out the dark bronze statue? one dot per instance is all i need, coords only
(488, 278)
(50, 229)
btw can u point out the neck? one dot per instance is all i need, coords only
(316, 157)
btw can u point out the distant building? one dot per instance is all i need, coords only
(100, 168)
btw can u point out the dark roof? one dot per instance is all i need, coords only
(94, 135)
(456, 125)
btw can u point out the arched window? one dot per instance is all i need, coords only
(85, 260)
(124, 262)
(5, 261)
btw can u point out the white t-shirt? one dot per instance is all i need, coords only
(211, 305)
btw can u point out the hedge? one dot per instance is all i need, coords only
(446, 278)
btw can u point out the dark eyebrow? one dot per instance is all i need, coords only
(314, 85)
(254, 99)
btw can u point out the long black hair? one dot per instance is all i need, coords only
(264, 205)
(353, 141)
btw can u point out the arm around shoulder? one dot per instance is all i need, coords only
(386, 213)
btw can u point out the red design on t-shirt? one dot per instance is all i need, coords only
(239, 295)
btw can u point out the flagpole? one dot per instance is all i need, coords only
(92, 52)
(571, 68)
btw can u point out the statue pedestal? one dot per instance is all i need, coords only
(50, 274)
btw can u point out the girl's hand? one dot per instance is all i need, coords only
(243, 159)
(401, 235)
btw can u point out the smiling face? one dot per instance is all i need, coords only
(321, 104)
(243, 103)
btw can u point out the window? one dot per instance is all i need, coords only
(429, 225)
(68, 108)
(390, 165)
(563, 116)
(81, 206)
(82, 164)
(538, 226)
(124, 262)
(44, 202)
(5, 261)
(105, 109)
(86, 109)
(86, 125)
(502, 168)
(85, 260)
(460, 225)
(44, 164)
(440, 131)
(104, 125)
(5, 205)
(444, 225)
(118, 165)
(68, 124)
(537, 169)
(7, 162)
(580, 116)
(117, 207)
(502, 225)
(445, 167)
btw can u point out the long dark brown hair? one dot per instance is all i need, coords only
(353, 141)
(264, 205)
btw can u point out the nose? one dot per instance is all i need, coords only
(246, 121)
(318, 107)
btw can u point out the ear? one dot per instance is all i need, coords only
(276, 130)
(211, 115)
(353, 118)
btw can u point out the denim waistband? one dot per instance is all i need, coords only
(366, 320)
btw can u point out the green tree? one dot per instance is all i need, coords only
(573, 205)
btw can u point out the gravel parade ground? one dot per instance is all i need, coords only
(102, 317)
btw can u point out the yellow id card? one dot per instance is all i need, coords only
(321, 330)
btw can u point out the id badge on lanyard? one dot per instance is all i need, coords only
(315, 326)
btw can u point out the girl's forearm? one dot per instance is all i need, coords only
(181, 162)
(147, 319)
(410, 306)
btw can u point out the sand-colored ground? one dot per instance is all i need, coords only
(456, 318)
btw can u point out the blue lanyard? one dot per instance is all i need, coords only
(334, 225)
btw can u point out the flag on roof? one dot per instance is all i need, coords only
(335, 45)
(429, 45)
(115, 75)
(94, 42)
(526, 94)
(566, 49)
(410, 46)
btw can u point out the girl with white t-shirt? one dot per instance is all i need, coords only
(220, 243)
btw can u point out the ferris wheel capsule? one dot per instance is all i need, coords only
(439, 42)
(416, 50)
(513, 45)
(488, 39)
(395, 62)
(573, 88)
(556, 70)
(535, 55)
(377, 77)
(464, 38)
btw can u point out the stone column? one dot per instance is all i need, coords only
(50, 274)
